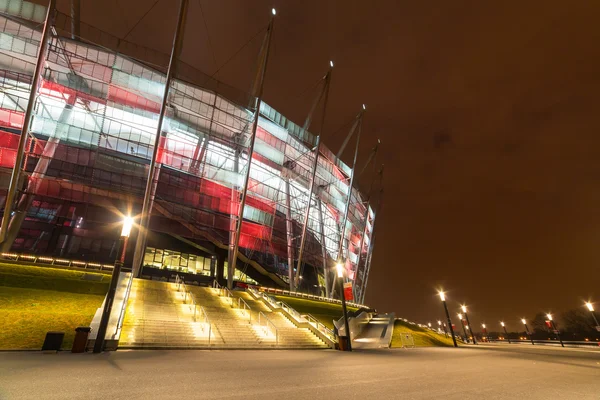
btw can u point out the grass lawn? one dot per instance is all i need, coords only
(422, 337)
(324, 312)
(27, 314)
(35, 300)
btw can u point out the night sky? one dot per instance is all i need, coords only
(488, 115)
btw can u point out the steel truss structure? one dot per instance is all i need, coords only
(90, 147)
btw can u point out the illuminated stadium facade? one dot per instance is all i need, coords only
(90, 147)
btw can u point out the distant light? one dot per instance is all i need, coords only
(429, 323)
(442, 296)
(273, 11)
(464, 309)
(483, 326)
(524, 321)
(331, 64)
(127, 224)
(502, 323)
(364, 107)
(300, 276)
(340, 270)
(439, 322)
(549, 316)
(460, 316)
(589, 306)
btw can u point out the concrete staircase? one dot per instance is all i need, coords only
(288, 334)
(158, 318)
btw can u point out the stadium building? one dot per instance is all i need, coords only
(90, 147)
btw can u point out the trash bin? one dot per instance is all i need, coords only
(81, 338)
(53, 341)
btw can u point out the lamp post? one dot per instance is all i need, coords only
(484, 332)
(590, 307)
(504, 327)
(549, 316)
(443, 298)
(462, 323)
(464, 309)
(340, 275)
(524, 321)
(112, 288)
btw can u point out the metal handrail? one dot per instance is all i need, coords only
(268, 325)
(308, 296)
(124, 305)
(203, 316)
(320, 326)
(242, 305)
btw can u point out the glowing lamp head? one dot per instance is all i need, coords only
(340, 270)
(549, 316)
(429, 324)
(442, 296)
(127, 224)
(589, 306)
(439, 322)
(464, 309)
(483, 326)
(523, 321)
(331, 64)
(364, 107)
(502, 323)
(273, 11)
(460, 316)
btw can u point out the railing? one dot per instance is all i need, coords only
(268, 326)
(328, 333)
(43, 260)
(124, 306)
(308, 296)
(199, 311)
(241, 303)
(320, 326)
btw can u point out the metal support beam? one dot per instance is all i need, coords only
(20, 154)
(370, 250)
(357, 125)
(75, 19)
(257, 92)
(311, 184)
(146, 206)
(289, 227)
(323, 248)
(362, 238)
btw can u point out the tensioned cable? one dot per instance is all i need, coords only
(212, 50)
(140, 20)
(238, 51)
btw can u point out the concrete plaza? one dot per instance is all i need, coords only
(476, 372)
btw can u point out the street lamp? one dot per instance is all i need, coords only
(112, 288)
(460, 317)
(504, 327)
(524, 321)
(340, 275)
(443, 298)
(590, 307)
(464, 309)
(549, 316)
(484, 332)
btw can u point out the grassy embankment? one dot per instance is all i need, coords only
(35, 300)
(422, 337)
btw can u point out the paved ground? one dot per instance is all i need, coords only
(484, 372)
